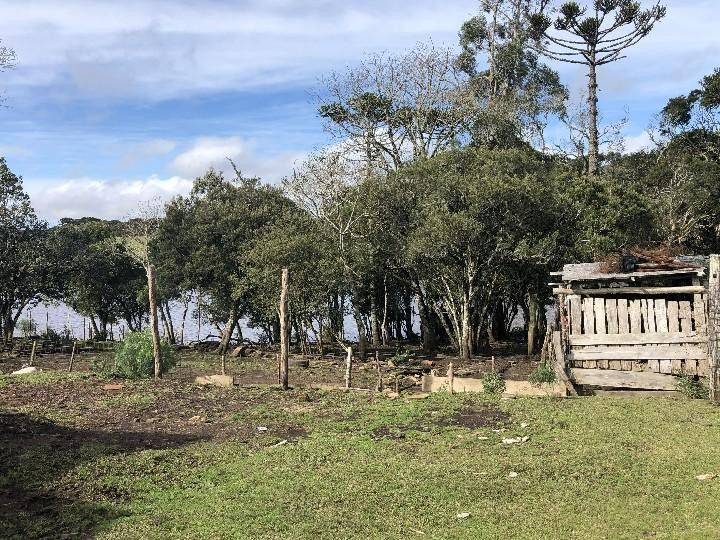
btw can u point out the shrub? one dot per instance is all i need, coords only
(692, 387)
(541, 375)
(134, 356)
(28, 327)
(493, 383)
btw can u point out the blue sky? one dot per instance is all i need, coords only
(116, 102)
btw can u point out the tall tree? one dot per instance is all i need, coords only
(593, 37)
(393, 108)
(515, 92)
(25, 271)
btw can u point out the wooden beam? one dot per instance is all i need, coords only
(623, 379)
(713, 327)
(640, 352)
(637, 339)
(685, 289)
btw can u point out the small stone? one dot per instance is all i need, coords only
(113, 387)
(262, 428)
(427, 363)
(483, 438)
(704, 477)
(515, 440)
(197, 419)
(393, 395)
(25, 371)
(524, 425)
(463, 515)
(512, 474)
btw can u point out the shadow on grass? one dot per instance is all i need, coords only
(34, 453)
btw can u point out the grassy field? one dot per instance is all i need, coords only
(175, 460)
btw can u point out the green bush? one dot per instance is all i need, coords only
(134, 356)
(692, 388)
(493, 383)
(541, 375)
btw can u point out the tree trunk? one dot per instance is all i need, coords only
(374, 328)
(362, 335)
(409, 333)
(532, 326)
(228, 330)
(384, 326)
(499, 331)
(465, 329)
(171, 327)
(182, 323)
(284, 329)
(593, 136)
(152, 299)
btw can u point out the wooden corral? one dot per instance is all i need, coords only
(636, 329)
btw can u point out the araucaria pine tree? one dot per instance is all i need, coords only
(593, 36)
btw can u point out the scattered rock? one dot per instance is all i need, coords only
(463, 515)
(392, 395)
(224, 381)
(113, 386)
(416, 396)
(25, 371)
(524, 425)
(512, 474)
(427, 363)
(483, 438)
(262, 428)
(197, 420)
(706, 476)
(240, 351)
(516, 440)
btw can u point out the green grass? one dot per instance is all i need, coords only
(41, 377)
(592, 468)
(128, 400)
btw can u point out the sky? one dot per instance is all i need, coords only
(112, 103)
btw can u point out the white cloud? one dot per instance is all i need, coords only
(164, 48)
(110, 199)
(208, 152)
(639, 142)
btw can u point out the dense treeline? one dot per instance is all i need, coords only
(440, 197)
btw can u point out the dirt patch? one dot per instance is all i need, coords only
(388, 432)
(487, 416)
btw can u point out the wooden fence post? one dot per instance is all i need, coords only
(32, 353)
(348, 367)
(72, 356)
(714, 327)
(284, 330)
(451, 378)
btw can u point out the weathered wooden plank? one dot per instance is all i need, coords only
(635, 316)
(603, 364)
(575, 314)
(677, 366)
(699, 313)
(623, 379)
(650, 315)
(666, 366)
(637, 339)
(615, 364)
(627, 365)
(641, 352)
(623, 316)
(588, 316)
(713, 324)
(703, 368)
(661, 322)
(673, 315)
(600, 324)
(687, 289)
(611, 313)
(685, 315)
(690, 367)
(653, 366)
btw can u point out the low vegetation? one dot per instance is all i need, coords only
(261, 463)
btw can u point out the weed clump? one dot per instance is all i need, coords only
(542, 375)
(134, 356)
(493, 383)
